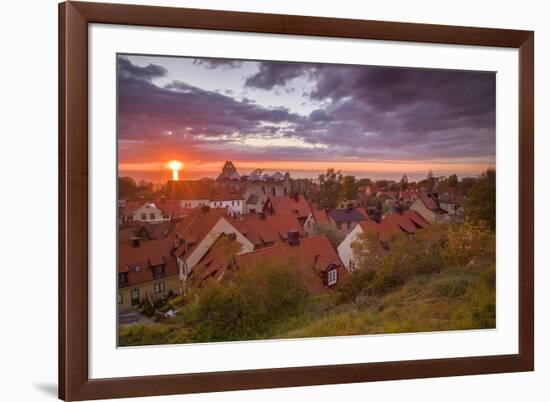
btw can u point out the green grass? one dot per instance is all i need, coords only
(458, 298)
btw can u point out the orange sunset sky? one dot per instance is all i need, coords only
(377, 122)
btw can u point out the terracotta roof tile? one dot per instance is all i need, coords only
(266, 229)
(285, 205)
(189, 189)
(311, 257)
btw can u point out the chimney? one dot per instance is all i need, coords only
(135, 242)
(293, 237)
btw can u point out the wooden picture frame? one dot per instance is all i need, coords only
(74, 381)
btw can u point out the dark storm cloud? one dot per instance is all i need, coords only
(377, 110)
(179, 113)
(364, 111)
(273, 74)
(215, 63)
(127, 69)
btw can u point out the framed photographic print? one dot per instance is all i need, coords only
(257, 201)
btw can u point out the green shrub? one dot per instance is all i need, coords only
(244, 307)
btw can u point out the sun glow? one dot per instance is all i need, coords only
(175, 166)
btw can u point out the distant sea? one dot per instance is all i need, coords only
(163, 176)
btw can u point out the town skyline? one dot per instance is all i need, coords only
(369, 121)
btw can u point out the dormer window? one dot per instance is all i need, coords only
(158, 271)
(332, 277)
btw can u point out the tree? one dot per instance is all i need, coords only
(126, 187)
(349, 188)
(330, 186)
(364, 182)
(334, 235)
(244, 306)
(480, 205)
(452, 181)
(404, 182)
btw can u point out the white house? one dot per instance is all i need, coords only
(345, 251)
(193, 255)
(229, 198)
(148, 212)
(408, 222)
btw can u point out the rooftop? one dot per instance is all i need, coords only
(310, 259)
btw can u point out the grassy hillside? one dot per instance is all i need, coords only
(456, 298)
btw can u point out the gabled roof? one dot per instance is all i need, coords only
(430, 204)
(285, 205)
(214, 263)
(131, 206)
(149, 253)
(320, 215)
(226, 194)
(195, 227)
(409, 222)
(310, 258)
(266, 229)
(172, 208)
(345, 215)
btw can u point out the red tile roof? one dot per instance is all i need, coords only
(189, 189)
(172, 208)
(310, 258)
(409, 222)
(195, 227)
(226, 194)
(214, 263)
(260, 230)
(320, 215)
(429, 203)
(284, 205)
(149, 253)
(131, 206)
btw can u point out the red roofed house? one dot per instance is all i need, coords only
(428, 208)
(134, 211)
(314, 259)
(197, 233)
(172, 209)
(408, 222)
(267, 230)
(146, 270)
(230, 198)
(203, 240)
(191, 193)
(317, 216)
(285, 205)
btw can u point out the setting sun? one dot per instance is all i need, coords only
(175, 166)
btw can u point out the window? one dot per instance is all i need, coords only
(351, 264)
(152, 217)
(349, 225)
(332, 277)
(119, 298)
(159, 287)
(143, 217)
(135, 297)
(158, 271)
(122, 279)
(232, 203)
(137, 268)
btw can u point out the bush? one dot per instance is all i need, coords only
(245, 306)
(468, 241)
